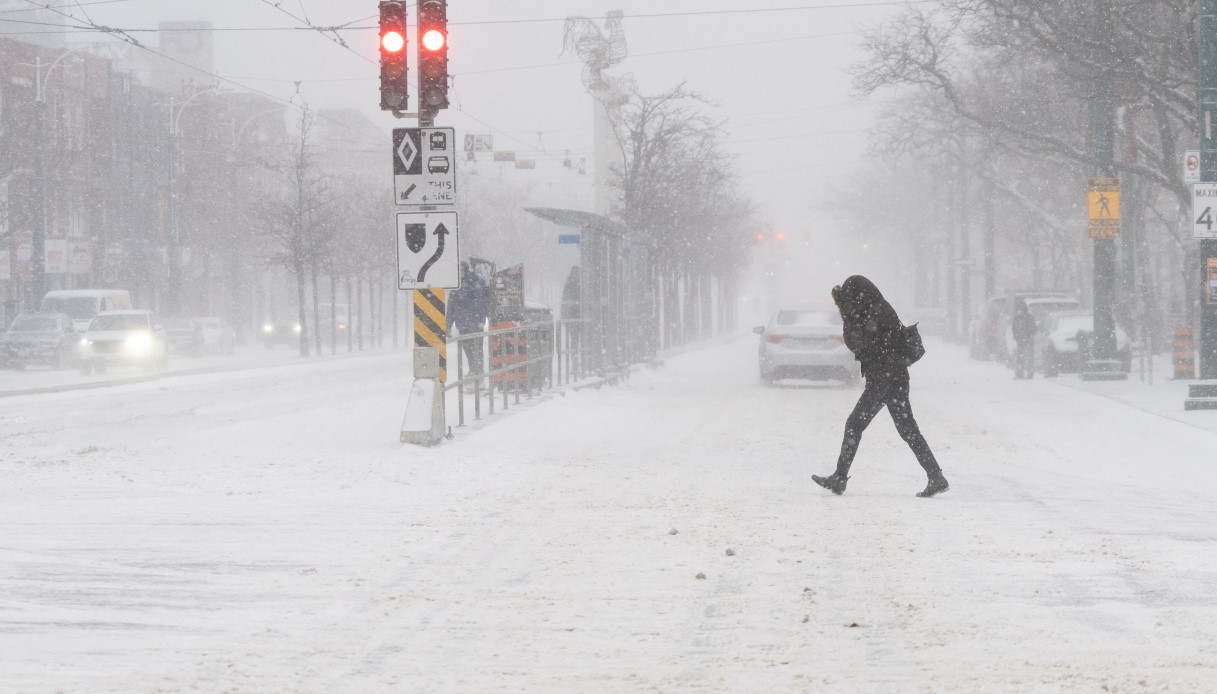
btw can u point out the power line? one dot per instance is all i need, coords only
(707, 13)
(118, 33)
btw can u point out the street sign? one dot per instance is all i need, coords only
(1204, 209)
(569, 239)
(428, 250)
(479, 143)
(424, 166)
(1191, 166)
(1103, 208)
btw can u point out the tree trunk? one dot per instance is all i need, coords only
(334, 314)
(350, 318)
(359, 310)
(300, 309)
(316, 310)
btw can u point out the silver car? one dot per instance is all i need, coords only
(117, 338)
(805, 343)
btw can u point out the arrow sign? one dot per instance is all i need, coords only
(440, 232)
(424, 168)
(426, 257)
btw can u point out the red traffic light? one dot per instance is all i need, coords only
(781, 236)
(392, 41)
(434, 40)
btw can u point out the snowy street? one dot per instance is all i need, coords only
(263, 530)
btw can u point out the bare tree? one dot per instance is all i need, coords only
(298, 221)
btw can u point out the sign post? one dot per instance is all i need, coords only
(1203, 395)
(428, 262)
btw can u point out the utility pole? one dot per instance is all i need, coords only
(1103, 364)
(1203, 395)
(1207, 44)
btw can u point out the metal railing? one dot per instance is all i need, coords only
(520, 361)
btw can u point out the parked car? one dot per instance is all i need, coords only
(1065, 343)
(185, 336)
(218, 335)
(83, 304)
(988, 328)
(805, 343)
(281, 333)
(1040, 308)
(44, 339)
(120, 338)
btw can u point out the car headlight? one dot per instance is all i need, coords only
(297, 329)
(138, 343)
(268, 328)
(85, 342)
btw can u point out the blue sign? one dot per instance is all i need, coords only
(568, 239)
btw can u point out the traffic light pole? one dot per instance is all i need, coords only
(1103, 364)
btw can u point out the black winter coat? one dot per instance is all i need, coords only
(1023, 326)
(873, 331)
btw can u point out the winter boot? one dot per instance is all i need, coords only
(936, 485)
(834, 483)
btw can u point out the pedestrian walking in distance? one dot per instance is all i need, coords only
(1023, 327)
(874, 333)
(468, 309)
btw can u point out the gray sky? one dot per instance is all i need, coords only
(790, 112)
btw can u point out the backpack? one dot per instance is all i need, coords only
(912, 349)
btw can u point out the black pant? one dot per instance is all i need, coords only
(886, 386)
(1024, 359)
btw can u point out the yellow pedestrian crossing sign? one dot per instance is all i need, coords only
(1103, 207)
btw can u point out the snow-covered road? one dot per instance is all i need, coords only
(263, 531)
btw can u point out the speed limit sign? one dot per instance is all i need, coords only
(1204, 210)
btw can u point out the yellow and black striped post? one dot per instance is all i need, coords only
(431, 325)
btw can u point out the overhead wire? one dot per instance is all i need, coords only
(214, 75)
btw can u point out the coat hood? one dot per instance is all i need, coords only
(860, 293)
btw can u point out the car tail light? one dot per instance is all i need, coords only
(839, 338)
(775, 339)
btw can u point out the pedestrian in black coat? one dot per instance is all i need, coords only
(874, 333)
(1023, 327)
(468, 309)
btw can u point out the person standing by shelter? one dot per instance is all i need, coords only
(874, 333)
(468, 309)
(1023, 326)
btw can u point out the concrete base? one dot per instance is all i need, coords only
(424, 424)
(1201, 395)
(1104, 370)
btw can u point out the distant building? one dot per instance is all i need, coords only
(350, 145)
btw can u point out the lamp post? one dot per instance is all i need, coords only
(38, 233)
(234, 247)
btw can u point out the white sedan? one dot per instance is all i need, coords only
(123, 338)
(805, 343)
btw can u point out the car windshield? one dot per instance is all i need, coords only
(1040, 309)
(35, 324)
(824, 319)
(123, 321)
(208, 322)
(1072, 324)
(74, 306)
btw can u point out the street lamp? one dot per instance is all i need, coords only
(235, 246)
(38, 233)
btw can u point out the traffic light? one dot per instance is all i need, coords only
(433, 54)
(760, 237)
(394, 65)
